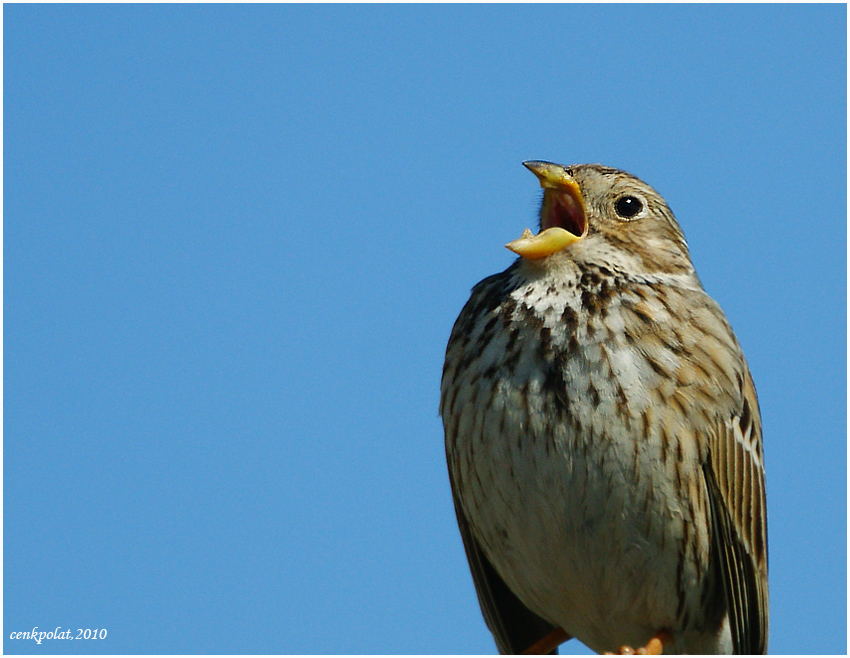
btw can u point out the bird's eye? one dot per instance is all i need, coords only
(628, 206)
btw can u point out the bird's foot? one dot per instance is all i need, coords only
(655, 647)
(547, 644)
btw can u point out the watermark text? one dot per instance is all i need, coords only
(59, 634)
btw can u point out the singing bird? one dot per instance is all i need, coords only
(603, 436)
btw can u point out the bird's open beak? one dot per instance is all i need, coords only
(562, 218)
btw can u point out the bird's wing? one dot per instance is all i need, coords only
(735, 478)
(515, 628)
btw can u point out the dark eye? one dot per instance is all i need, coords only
(628, 206)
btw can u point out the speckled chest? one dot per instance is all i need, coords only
(567, 475)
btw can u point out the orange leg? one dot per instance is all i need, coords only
(547, 644)
(655, 647)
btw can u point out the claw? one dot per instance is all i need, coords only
(655, 647)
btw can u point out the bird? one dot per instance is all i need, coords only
(603, 436)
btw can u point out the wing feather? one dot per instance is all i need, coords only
(735, 479)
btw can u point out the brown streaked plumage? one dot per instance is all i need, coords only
(603, 436)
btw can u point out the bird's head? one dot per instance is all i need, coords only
(593, 213)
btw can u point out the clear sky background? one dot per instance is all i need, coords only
(237, 237)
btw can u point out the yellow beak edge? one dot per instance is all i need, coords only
(543, 244)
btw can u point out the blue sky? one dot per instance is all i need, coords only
(237, 237)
